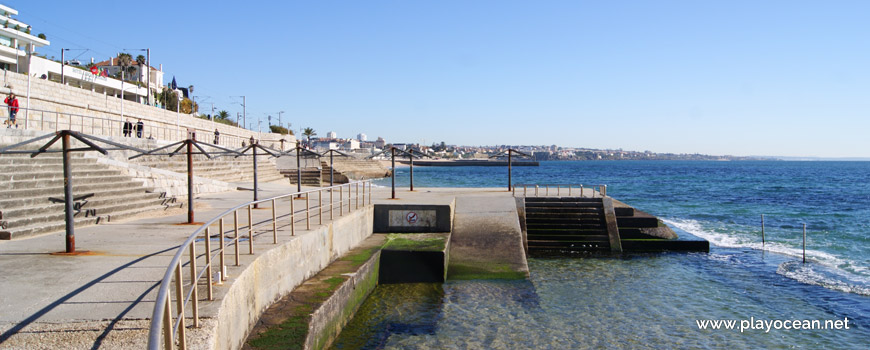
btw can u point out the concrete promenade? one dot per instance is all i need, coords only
(103, 299)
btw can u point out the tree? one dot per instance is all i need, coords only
(308, 132)
(169, 98)
(125, 60)
(188, 107)
(277, 129)
(140, 60)
(41, 36)
(222, 115)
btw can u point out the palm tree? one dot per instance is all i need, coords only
(222, 115)
(308, 132)
(140, 60)
(125, 60)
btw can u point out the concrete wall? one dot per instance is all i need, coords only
(281, 269)
(412, 218)
(55, 106)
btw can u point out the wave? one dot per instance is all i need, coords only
(824, 269)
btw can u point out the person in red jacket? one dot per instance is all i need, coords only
(12, 102)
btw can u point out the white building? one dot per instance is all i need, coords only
(361, 137)
(331, 135)
(17, 43)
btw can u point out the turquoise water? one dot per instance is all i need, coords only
(655, 300)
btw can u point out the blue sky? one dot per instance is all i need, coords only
(786, 78)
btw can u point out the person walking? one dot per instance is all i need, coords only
(128, 128)
(12, 104)
(217, 135)
(140, 126)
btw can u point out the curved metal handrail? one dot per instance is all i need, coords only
(161, 315)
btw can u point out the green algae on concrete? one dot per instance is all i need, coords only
(484, 271)
(416, 242)
(288, 322)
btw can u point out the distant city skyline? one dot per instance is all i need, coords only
(743, 78)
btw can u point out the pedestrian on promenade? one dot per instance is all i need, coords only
(139, 128)
(128, 128)
(217, 135)
(12, 102)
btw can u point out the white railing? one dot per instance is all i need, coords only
(284, 212)
(544, 190)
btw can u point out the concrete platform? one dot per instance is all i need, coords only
(102, 300)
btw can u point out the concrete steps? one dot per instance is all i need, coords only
(326, 171)
(310, 176)
(227, 169)
(31, 194)
(565, 224)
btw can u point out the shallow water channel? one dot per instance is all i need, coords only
(646, 301)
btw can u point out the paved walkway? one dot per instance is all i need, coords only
(103, 300)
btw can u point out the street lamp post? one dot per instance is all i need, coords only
(62, 64)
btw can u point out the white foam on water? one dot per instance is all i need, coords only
(823, 269)
(822, 276)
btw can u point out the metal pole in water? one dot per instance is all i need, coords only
(805, 243)
(762, 231)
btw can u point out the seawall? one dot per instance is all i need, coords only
(277, 272)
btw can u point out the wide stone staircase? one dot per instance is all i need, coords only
(565, 224)
(227, 168)
(310, 176)
(337, 176)
(31, 194)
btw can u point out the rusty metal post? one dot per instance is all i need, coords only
(256, 190)
(292, 218)
(236, 236)
(320, 206)
(68, 195)
(307, 211)
(805, 244)
(179, 295)
(340, 201)
(194, 308)
(510, 168)
(208, 277)
(250, 231)
(331, 170)
(411, 160)
(275, 223)
(393, 158)
(168, 338)
(298, 167)
(190, 181)
(223, 246)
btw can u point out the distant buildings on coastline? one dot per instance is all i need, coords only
(361, 147)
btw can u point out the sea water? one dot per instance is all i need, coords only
(660, 301)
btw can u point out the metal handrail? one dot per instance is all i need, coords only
(161, 317)
(114, 127)
(601, 189)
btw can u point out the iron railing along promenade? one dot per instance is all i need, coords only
(42, 120)
(351, 196)
(538, 190)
